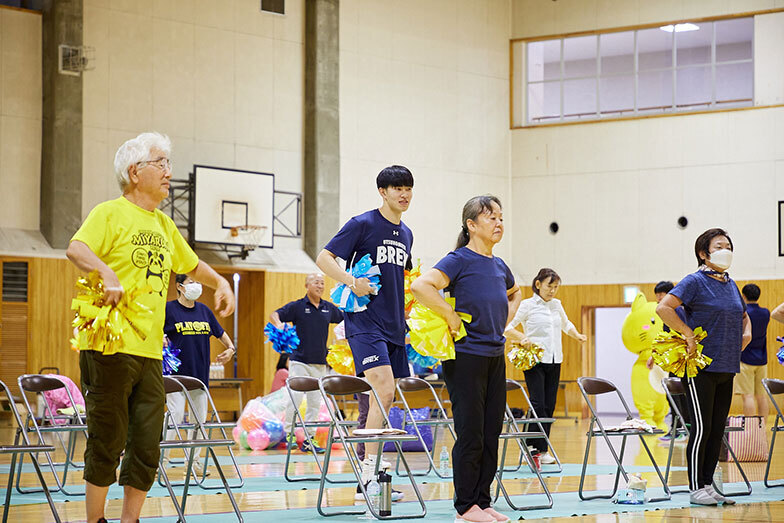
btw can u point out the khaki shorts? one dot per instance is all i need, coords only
(124, 398)
(749, 381)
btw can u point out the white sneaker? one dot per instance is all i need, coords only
(546, 459)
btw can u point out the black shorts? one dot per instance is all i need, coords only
(124, 399)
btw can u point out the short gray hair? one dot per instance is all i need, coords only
(137, 150)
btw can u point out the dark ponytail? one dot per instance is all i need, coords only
(471, 211)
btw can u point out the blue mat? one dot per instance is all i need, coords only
(277, 483)
(565, 504)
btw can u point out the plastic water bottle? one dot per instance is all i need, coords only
(443, 461)
(718, 479)
(374, 493)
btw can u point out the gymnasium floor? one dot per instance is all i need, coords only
(267, 494)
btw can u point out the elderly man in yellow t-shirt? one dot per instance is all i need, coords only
(131, 243)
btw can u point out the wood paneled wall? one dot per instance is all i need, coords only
(51, 287)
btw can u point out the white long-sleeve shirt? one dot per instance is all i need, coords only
(542, 323)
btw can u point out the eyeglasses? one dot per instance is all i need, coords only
(161, 163)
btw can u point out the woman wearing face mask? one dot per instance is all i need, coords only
(711, 300)
(189, 325)
(543, 319)
(484, 287)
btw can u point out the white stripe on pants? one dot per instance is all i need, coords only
(314, 370)
(175, 402)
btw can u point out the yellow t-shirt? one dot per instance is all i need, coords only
(141, 247)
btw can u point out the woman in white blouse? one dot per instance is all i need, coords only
(543, 318)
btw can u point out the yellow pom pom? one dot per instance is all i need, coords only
(430, 335)
(669, 352)
(525, 357)
(107, 328)
(339, 357)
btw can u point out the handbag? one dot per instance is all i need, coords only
(750, 444)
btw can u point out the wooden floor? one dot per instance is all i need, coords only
(568, 438)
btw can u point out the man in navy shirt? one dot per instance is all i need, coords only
(754, 358)
(311, 316)
(377, 334)
(189, 326)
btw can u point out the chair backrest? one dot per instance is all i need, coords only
(412, 384)
(594, 386)
(302, 383)
(673, 385)
(340, 385)
(190, 383)
(39, 383)
(512, 385)
(12, 404)
(171, 385)
(773, 385)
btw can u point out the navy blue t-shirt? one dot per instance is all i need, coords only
(756, 352)
(681, 314)
(312, 325)
(479, 285)
(189, 329)
(717, 307)
(389, 246)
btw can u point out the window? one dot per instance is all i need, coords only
(674, 68)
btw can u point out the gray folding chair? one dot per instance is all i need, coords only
(512, 432)
(23, 448)
(304, 384)
(212, 422)
(339, 385)
(410, 385)
(673, 387)
(188, 445)
(590, 386)
(773, 388)
(529, 418)
(37, 384)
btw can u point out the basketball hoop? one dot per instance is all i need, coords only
(249, 235)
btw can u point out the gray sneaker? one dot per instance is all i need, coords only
(702, 497)
(718, 497)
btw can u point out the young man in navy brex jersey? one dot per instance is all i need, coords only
(377, 334)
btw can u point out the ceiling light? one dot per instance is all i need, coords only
(680, 28)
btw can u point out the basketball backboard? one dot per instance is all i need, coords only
(229, 198)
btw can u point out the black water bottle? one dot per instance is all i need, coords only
(385, 503)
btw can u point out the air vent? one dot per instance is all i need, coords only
(274, 6)
(15, 281)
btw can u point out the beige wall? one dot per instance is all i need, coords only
(222, 79)
(20, 118)
(540, 18)
(617, 188)
(425, 85)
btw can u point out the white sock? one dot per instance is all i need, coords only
(368, 468)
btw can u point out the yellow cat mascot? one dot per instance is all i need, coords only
(639, 329)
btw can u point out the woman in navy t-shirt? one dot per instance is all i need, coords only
(711, 300)
(484, 287)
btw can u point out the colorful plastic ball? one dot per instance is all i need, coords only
(235, 433)
(275, 430)
(258, 439)
(244, 440)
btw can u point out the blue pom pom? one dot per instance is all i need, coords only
(345, 298)
(780, 353)
(285, 340)
(171, 363)
(414, 357)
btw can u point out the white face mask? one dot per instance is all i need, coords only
(721, 259)
(192, 291)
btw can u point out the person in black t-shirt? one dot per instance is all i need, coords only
(189, 326)
(311, 315)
